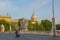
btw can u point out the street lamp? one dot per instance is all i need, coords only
(53, 19)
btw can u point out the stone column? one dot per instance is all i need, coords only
(26, 24)
(10, 29)
(2, 28)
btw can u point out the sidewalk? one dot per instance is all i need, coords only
(39, 33)
(35, 33)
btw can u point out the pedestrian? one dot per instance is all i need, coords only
(17, 33)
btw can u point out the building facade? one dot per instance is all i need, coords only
(6, 18)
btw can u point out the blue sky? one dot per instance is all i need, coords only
(25, 8)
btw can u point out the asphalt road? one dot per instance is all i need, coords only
(11, 36)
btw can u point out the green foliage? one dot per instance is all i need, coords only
(30, 25)
(47, 24)
(58, 26)
(19, 22)
(33, 27)
(7, 25)
(2, 22)
(36, 26)
(42, 28)
(12, 27)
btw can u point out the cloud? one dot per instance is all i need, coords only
(4, 7)
(38, 4)
(33, 6)
(7, 7)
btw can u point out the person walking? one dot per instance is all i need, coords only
(17, 33)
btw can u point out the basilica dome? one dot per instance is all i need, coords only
(33, 18)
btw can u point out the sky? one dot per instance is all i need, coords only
(25, 8)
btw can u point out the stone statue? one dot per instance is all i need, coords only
(24, 25)
(2, 28)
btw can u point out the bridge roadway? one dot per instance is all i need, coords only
(11, 36)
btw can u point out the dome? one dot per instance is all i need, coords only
(34, 17)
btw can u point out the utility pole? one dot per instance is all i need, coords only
(53, 19)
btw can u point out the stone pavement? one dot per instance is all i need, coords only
(11, 36)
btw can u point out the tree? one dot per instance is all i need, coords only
(58, 26)
(47, 24)
(19, 22)
(2, 22)
(36, 26)
(29, 25)
(12, 26)
(42, 28)
(7, 25)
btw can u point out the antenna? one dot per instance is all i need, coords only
(53, 7)
(7, 14)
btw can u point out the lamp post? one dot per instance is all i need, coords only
(53, 19)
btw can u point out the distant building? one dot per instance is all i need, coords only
(6, 18)
(33, 18)
(14, 20)
(24, 22)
